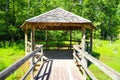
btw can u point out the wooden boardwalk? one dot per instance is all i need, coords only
(59, 66)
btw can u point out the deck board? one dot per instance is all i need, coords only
(58, 69)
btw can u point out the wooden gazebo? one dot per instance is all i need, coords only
(57, 19)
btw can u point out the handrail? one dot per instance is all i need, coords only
(106, 69)
(88, 72)
(28, 72)
(6, 72)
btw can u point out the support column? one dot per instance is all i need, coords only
(91, 41)
(33, 38)
(83, 60)
(26, 38)
(83, 39)
(32, 48)
(70, 38)
(46, 33)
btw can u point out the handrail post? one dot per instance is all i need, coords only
(83, 60)
(41, 53)
(32, 47)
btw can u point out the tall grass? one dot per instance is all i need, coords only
(109, 54)
(9, 53)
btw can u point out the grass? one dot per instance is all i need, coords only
(109, 54)
(9, 53)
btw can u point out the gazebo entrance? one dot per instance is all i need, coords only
(58, 39)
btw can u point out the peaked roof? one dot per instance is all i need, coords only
(58, 19)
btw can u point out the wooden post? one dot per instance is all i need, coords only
(33, 38)
(32, 48)
(91, 41)
(46, 33)
(83, 60)
(83, 39)
(70, 38)
(26, 42)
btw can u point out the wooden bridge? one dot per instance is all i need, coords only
(58, 65)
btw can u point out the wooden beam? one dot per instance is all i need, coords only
(26, 38)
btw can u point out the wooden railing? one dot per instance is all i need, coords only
(58, 44)
(80, 56)
(8, 71)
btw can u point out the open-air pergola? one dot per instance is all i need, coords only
(57, 19)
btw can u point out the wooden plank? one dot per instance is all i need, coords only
(6, 72)
(61, 70)
(106, 69)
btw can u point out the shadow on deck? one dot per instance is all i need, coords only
(59, 54)
(58, 66)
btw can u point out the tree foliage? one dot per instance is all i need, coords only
(105, 15)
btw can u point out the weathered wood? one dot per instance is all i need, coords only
(29, 47)
(26, 41)
(83, 39)
(32, 48)
(56, 69)
(32, 67)
(83, 60)
(46, 34)
(33, 38)
(57, 40)
(66, 21)
(91, 41)
(87, 70)
(5, 73)
(70, 38)
(106, 69)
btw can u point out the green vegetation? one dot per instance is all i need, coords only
(9, 53)
(108, 53)
(104, 14)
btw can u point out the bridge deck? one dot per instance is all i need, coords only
(58, 68)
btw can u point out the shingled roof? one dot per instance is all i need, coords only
(58, 19)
